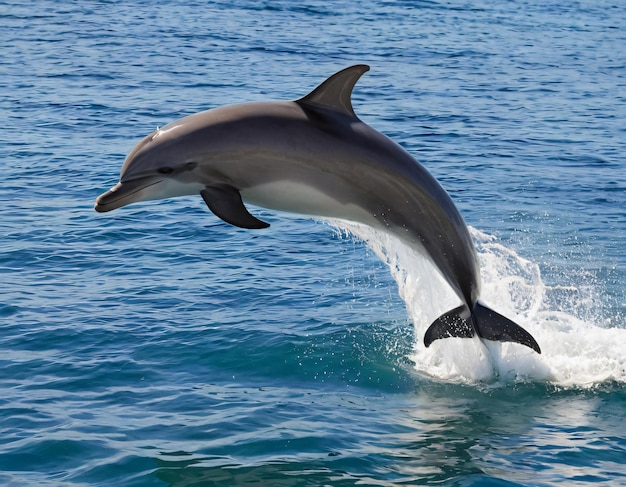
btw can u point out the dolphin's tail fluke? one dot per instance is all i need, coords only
(482, 321)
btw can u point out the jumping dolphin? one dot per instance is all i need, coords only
(314, 156)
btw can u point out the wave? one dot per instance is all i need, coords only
(580, 348)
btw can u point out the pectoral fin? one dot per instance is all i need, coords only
(226, 203)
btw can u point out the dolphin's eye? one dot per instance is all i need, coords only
(165, 170)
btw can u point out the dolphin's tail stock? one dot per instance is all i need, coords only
(481, 321)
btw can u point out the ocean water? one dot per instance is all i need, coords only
(158, 346)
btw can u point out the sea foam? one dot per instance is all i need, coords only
(578, 348)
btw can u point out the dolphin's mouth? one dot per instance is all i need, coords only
(124, 193)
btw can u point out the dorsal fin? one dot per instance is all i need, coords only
(336, 91)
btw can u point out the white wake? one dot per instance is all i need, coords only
(578, 348)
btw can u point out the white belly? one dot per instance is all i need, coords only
(296, 197)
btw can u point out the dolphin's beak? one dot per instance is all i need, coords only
(125, 193)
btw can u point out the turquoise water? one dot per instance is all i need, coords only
(158, 346)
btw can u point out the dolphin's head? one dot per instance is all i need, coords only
(157, 167)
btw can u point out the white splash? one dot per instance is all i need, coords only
(578, 350)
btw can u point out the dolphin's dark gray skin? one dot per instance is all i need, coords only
(314, 156)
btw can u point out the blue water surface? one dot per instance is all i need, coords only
(158, 346)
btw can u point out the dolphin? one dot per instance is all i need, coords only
(315, 156)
